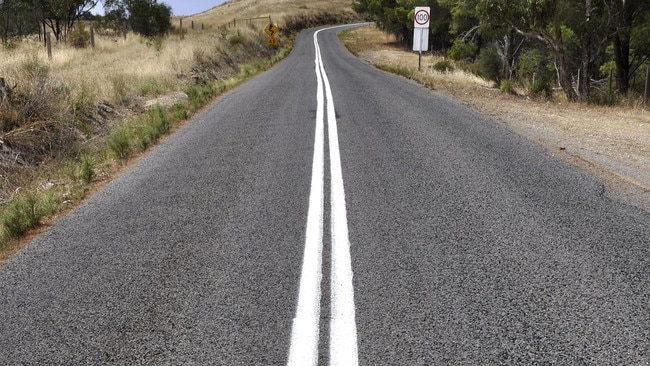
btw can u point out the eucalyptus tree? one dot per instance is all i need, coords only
(146, 17)
(61, 15)
(16, 19)
(631, 32)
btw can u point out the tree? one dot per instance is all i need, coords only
(396, 17)
(15, 19)
(146, 17)
(630, 38)
(540, 19)
(60, 15)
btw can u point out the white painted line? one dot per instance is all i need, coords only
(305, 332)
(343, 328)
(303, 350)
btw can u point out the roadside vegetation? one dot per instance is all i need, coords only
(609, 141)
(594, 51)
(70, 123)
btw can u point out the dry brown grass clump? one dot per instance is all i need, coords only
(72, 120)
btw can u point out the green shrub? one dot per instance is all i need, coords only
(488, 64)
(443, 66)
(119, 143)
(155, 42)
(160, 119)
(603, 97)
(21, 214)
(541, 87)
(461, 50)
(10, 45)
(86, 171)
(534, 66)
(153, 87)
(507, 87)
(120, 89)
(235, 39)
(179, 112)
(79, 37)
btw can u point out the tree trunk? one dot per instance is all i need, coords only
(557, 45)
(622, 46)
(622, 60)
(584, 80)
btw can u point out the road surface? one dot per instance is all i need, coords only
(329, 213)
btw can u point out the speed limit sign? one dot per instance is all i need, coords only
(422, 17)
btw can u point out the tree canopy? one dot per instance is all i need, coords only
(578, 38)
(146, 17)
(20, 17)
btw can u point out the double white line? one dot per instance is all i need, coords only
(343, 329)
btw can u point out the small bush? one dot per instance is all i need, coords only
(603, 97)
(507, 87)
(86, 171)
(79, 37)
(488, 64)
(153, 87)
(38, 97)
(21, 214)
(119, 143)
(199, 94)
(541, 87)
(10, 45)
(533, 66)
(462, 50)
(235, 39)
(155, 42)
(159, 119)
(179, 112)
(443, 66)
(120, 89)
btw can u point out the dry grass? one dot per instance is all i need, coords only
(277, 9)
(74, 120)
(611, 142)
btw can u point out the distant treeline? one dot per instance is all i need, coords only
(594, 50)
(25, 17)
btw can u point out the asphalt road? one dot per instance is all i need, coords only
(468, 245)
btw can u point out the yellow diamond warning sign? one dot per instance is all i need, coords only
(271, 29)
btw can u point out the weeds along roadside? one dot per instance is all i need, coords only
(72, 122)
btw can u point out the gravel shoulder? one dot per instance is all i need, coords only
(612, 143)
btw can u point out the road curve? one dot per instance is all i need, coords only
(466, 244)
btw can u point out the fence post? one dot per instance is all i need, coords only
(645, 93)
(48, 42)
(92, 35)
(192, 25)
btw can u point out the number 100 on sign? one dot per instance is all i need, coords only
(421, 18)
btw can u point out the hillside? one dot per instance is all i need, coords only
(279, 10)
(71, 121)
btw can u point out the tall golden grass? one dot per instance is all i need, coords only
(73, 119)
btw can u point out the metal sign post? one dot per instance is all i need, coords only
(421, 20)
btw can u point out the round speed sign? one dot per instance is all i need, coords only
(422, 17)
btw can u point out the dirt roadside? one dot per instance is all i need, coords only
(612, 143)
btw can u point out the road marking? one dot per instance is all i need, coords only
(305, 331)
(343, 330)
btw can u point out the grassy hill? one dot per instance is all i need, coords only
(74, 120)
